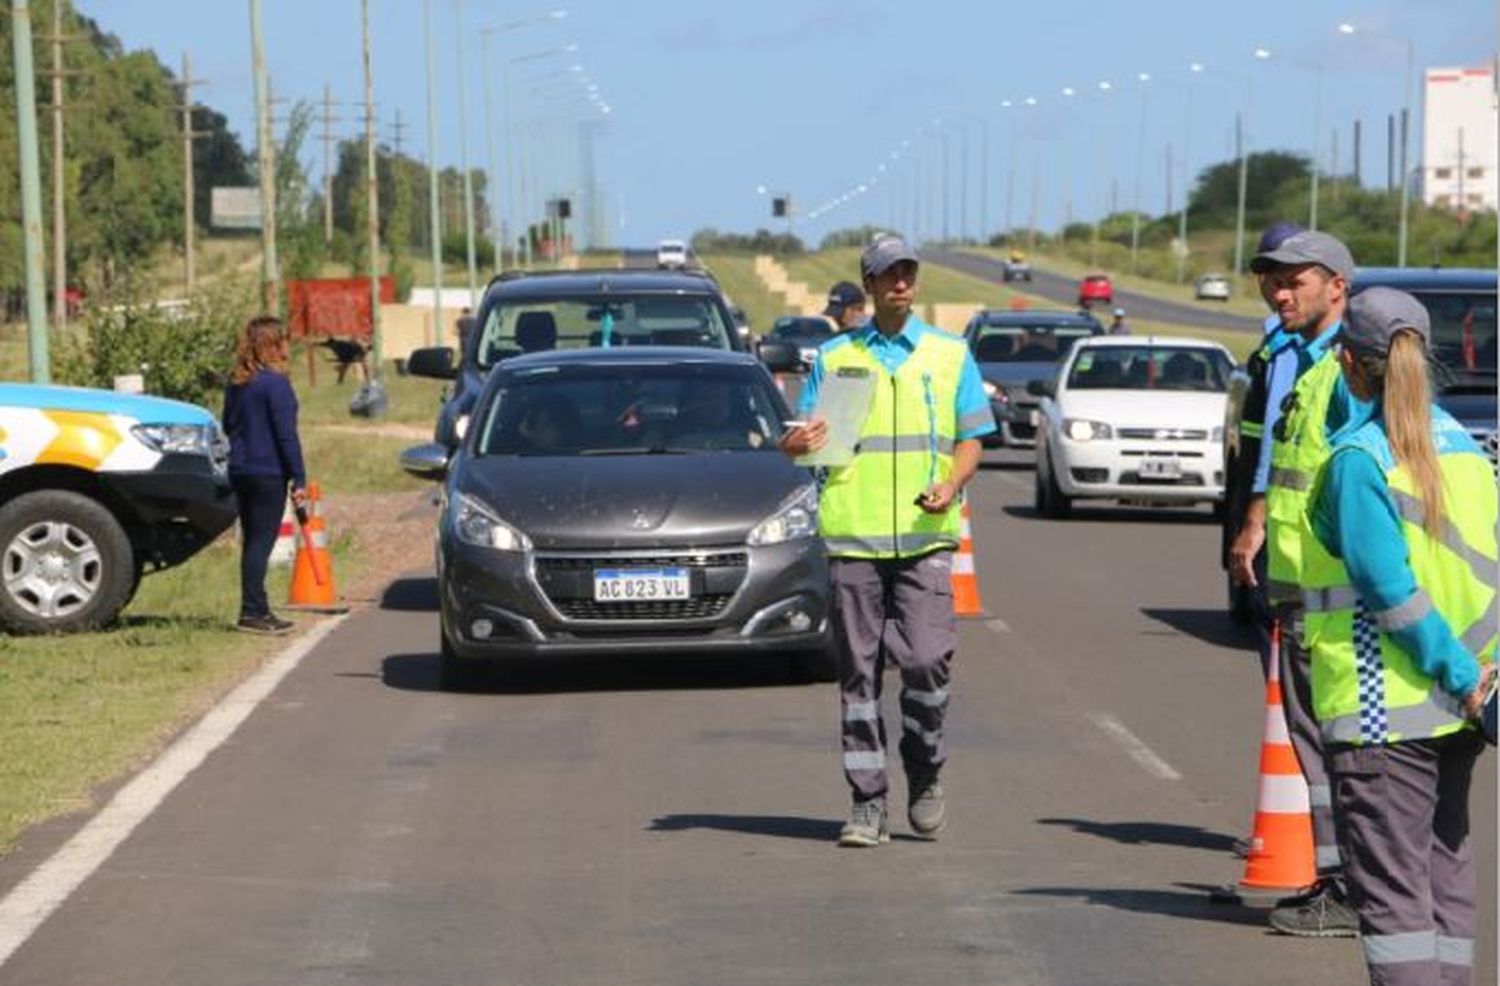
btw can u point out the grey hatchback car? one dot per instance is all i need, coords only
(627, 501)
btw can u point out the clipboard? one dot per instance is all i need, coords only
(844, 400)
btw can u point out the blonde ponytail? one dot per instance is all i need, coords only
(1401, 378)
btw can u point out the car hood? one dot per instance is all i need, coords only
(1146, 408)
(1017, 373)
(634, 501)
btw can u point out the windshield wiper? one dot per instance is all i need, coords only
(640, 450)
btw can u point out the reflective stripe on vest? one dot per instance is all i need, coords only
(1366, 688)
(867, 508)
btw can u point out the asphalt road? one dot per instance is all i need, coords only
(1064, 291)
(673, 823)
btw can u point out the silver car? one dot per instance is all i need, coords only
(1211, 287)
(627, 501)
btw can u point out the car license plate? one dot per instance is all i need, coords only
(629, 585)
(1160, 469)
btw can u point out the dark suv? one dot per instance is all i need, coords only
(1461, 303)
(528, 312)
(1013, 348)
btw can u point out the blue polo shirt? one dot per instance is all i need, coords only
(971, 406)
(1291, 357)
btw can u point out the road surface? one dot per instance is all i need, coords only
(647, 823)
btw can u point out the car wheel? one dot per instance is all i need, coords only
(817, 664)
(1055, 503)
(66, 564)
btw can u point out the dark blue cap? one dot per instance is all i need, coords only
(1277, 234)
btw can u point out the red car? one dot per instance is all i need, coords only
(1095, 288)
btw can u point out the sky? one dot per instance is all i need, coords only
(716, 108)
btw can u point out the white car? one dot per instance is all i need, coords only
(1212, 287)
(671, 254)
(1135, 419)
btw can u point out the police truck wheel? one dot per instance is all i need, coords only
(66, 564)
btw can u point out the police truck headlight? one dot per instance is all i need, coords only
(477, 524)
(1083, 430)
(176, 439)
(797, 517)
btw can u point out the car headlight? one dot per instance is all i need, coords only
(1083, 430)
(476, 524)
(994, 391)
(177, 439)
(797, 517)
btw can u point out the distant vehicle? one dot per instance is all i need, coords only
(525, 312)
(1133, 419)
(1211, 287)
(792, 344)
(1017, 267)
(1095, 289)
(1462, 306)
(96, 489)
(671, 254)
(1014, 348)
(627, 502)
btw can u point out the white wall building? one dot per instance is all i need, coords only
(1461, 128)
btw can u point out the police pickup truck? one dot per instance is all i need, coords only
(96, 489)
(1461, 303)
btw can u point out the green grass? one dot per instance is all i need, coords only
(736, 274)
(934, 284)
(1238, 343)
(412, 400)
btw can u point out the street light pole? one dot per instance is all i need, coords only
(1401, 235)
(266, 159)
(1317, 142)
(1241, 152)
(434, 197)
(372, 197)
(463, 153)
(31, 191)
(1140, 170)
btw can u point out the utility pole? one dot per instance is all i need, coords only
(397, 129)
(1239, 221)
(328, 120)
(372, 197)
(463, 148)
(59, 76)
(266, 160)
(31, 190)
(1358, 151)
(434, 198)
(188, 136)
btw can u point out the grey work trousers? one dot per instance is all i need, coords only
(1307, 739)
(1404, 829)
(901, 609)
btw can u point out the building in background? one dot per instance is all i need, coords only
(1461, 121)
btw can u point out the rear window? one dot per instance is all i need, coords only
(534, 325)
(1025, 344)
(1150, 368)
(631, 410)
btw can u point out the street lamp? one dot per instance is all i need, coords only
(1350, 29)
(1187, 180)
(1264, 54)
(1239, 140)
(512, 179)
(938, 130)
(1140, 167)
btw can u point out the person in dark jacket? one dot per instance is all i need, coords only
(265, 457)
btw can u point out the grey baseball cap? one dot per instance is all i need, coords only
(1307, 247)
(881, 255)
(1375, 315)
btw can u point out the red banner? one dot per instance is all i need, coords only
(334, 307)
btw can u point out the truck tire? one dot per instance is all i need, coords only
(66, 564)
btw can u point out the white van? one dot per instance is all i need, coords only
(671, 254)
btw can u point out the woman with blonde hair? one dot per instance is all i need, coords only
(265, 456)
(1400, 623)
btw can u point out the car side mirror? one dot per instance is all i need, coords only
(428, 461)
(779, 357)
(435, 362)
(1041, 388)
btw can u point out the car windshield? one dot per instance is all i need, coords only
(617, 319)
(634, 409)
(1463, 329)
(1025, 343)
(1148, 367)
(802, 328)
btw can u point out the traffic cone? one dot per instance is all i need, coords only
(1281, 861)
(312, 588)
(965, 579)
(285, 549)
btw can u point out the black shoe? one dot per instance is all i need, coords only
(1323, 913)
(267, 624)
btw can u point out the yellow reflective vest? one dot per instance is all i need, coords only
(1299, 449)
(868, 507)
(1366, 688)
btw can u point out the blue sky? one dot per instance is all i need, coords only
(712, 102)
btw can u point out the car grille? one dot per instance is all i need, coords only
(714, 575)
(1164, 434)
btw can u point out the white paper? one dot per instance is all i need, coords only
(844, 402)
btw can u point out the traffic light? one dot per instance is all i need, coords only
(778, 207)
(565, 208)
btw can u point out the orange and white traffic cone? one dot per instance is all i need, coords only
(1281, 861)
(285, 549)
(965, 579)
(312, 588)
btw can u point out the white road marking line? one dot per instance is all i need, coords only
(1134, 748)
(998, 625)
(48, 887)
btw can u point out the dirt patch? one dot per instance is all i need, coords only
(393, 531)
(393, 429)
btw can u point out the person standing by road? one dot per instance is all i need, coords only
(846, 306)
(890, 521)
(1119, 327)
(1401, 626)
(265, 455)
(1308, 276)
